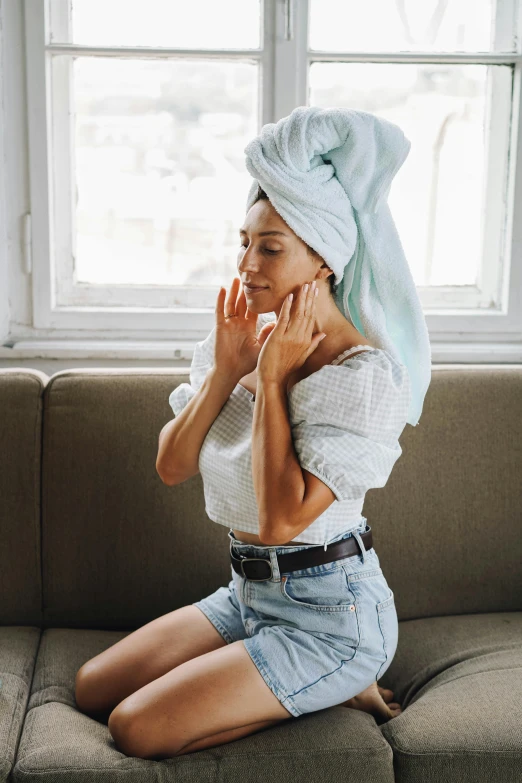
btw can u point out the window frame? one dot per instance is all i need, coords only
(284, 61)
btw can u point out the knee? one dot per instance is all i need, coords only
(129, 733)
(87, 687)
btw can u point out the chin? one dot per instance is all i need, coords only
(259, 307)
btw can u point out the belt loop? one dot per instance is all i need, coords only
(276, 576)
(359, 540)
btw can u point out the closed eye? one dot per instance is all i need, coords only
(266, 250)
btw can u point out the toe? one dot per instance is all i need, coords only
(386, 693)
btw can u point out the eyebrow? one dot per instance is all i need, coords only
(265, 233)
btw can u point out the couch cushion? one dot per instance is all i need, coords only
(459, 681)
(61, 743)
(447, 525)
(118, 544)
(18, 647)
(20, 463)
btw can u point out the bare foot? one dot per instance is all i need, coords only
(376, 701)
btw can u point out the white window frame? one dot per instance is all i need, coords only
(465, 322)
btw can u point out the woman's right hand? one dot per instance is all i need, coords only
(237, 346)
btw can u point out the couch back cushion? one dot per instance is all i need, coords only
(120, 547)
(449, 522)
(20, 468)
(117, 542)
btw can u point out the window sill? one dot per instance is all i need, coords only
(98, 349)
(165, 350)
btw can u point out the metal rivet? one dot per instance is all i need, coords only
(352, 608)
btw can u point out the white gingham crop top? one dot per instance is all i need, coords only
(345, 420)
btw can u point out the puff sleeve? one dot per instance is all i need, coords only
(202, 362)
(346, 420)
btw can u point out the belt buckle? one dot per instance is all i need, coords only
(263, 560)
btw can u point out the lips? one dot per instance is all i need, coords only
(253, 289)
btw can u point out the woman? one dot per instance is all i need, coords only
(289, 425)
(177, 684)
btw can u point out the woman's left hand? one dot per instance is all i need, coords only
(291, 341)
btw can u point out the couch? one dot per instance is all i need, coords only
(94, 545)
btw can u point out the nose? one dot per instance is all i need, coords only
(245, 264)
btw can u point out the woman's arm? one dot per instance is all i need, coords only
(289, 498)
(181, 439)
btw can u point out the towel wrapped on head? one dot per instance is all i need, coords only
(328, 174)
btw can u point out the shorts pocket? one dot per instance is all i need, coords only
(389, 627)
(327, 591)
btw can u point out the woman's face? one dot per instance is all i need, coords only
(279, 262)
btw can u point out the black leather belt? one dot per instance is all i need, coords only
(259, 569)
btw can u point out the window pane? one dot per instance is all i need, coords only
(437, 196)
(161, 183)
(401, 26)
(196, 24)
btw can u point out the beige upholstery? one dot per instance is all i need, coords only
(93, 545)
(20, 476)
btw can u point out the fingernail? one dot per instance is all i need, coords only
(322, 337)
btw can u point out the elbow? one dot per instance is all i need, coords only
(168, 478)
(275, 535)
(266, 541)
(171, 478)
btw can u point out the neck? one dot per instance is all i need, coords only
(338, 329)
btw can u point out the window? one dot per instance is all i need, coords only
(139, 115)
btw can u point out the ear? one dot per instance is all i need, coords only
(265, 331)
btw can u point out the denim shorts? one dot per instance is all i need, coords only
(318, 635)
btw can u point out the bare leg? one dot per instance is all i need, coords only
(213, 699)
(370, 700)
(141, 657)
(225, 736)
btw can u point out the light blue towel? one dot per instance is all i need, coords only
(328, 173)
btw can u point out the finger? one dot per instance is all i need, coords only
(245, 312)
(316, 339)
(264, 332)
(285, 313)
(242, 308)
(220, 303)
(309, 300)
(241, 303)
(251, 317)
(311, 308)
(305, 325)
(301, 310)
(230, 304)
(298, 312)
